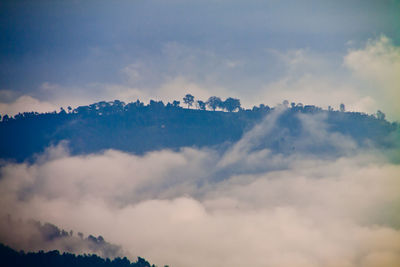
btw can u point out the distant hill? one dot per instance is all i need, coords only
(56, 247)
(12, 258)
(32, 235)
(139, 128)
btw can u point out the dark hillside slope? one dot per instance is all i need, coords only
(137, 128)
(12, 258)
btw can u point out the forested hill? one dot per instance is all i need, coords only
(49, 245)
(139, 128)
(12, 258)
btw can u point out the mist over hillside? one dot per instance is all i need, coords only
(32, 235)
(139, 128)
(192, 187)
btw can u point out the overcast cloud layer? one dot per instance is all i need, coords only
(69, 53)
(244, 207)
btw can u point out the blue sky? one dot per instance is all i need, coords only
(58, 53)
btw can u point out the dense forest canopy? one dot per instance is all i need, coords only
(12, 258)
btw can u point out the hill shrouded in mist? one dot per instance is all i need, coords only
(197, 187)
(12, 258)
(139, 128)
(47, 245)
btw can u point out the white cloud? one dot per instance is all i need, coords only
(315, 212)
(323, 80)
(315, 90)
(378, 65)
(26, 103)
(315, 79)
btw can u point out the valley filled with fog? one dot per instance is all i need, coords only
(319, 199)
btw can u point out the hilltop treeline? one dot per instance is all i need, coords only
(139, 128)
(12, 258)
(56, 247)
(33, 235)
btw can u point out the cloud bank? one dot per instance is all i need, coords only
(242, 207)
(378, 65)
(25, 103)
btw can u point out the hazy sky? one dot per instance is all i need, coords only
(60, 53)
